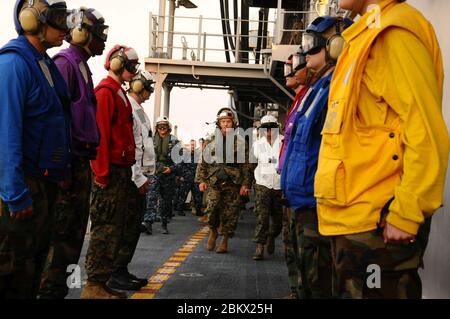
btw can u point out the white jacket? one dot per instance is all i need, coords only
(145, 150)
(267, 156)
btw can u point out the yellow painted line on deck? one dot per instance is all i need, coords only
(169, 268)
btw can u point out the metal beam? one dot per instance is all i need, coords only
(199, 69)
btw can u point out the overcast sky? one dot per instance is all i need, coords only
(128, 21)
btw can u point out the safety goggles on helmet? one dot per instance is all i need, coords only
(288, 70)
(299, 60)
(312, 43)
(148, 86)
(225, 115)
(99, 30)
(131, 66)
(57, 18)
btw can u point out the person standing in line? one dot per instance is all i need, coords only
(72, 208)
(35, 108)
(384, 152)
(298, 78)
(322, 44)
(112, 185)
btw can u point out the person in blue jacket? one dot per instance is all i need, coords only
(322, 44)
(34, 139)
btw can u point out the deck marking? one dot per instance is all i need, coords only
(169, 268)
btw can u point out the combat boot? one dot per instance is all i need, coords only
(223, 247)
(259, 253)
(165, 231)
(147, 226)
(212, 239)
(270, 245)
(203, 219)
(98, 290)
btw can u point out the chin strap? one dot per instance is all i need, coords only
(317, 75)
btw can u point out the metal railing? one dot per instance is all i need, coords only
(199, 38)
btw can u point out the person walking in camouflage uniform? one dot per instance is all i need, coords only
(186, 181)
(268, 194)
(112, 186)
(72, 208)
(33, 110)
(165, 170)
(225, 179)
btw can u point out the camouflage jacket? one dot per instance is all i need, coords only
(214, 169)
(187, 169)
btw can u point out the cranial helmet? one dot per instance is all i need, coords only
(121, 57)
(29, 15)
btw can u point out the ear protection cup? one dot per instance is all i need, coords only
(137, 86)
(335, 45)
(118, 62)
(29, 19)
(80, 36)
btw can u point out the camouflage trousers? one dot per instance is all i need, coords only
(182, 191)
(151, 199)
(290, 252)
(223, 205)
(166, 187)
(114, 225)
(356, 259)
(314, 255)
(267, 207)
(71, 218)
(24, 244)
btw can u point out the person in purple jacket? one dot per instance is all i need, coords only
(86, 40)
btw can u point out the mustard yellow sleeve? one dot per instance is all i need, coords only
(413, 91)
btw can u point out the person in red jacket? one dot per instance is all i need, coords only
(112, 184)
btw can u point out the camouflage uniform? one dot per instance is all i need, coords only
(224, 181)
(24, 244)
(290, 253)
(398, 262)
(187, 171)
(314, 255)
(267, 206)
(111, 218)
(71, 219)
(151, 199)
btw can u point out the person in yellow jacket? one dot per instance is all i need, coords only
(384, 152)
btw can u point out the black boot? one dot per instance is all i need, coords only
(147, 228)
(165, 231)
(143, 281)
(181, 213)
(121, 281)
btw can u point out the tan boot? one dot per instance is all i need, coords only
(212, 239)
(259, 253)
(97, 290)
(270, 245)
(203, 219)
(223, 247)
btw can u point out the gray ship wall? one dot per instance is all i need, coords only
(436, 275)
